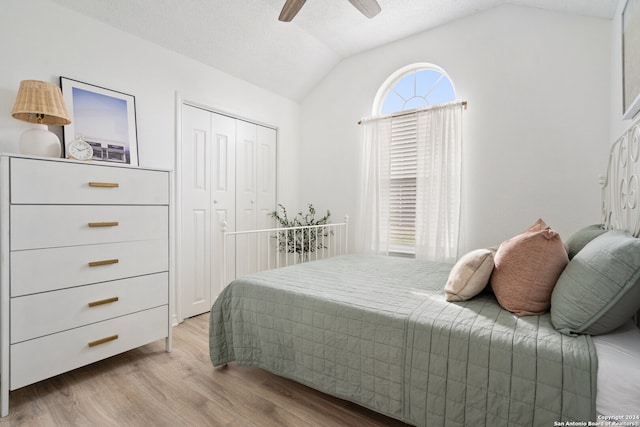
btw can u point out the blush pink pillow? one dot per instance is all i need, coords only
(527, 268)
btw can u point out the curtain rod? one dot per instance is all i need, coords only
(414, 111)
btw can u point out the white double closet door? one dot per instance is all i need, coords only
(228, 174)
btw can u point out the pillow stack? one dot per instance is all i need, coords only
(591, 286)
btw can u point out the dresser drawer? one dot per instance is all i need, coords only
(42, 270)
(42, 358)
(36, 227)
(70, 308)
(56, 182)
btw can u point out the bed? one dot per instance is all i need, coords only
(381, 332)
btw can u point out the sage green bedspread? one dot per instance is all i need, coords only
(377, 331)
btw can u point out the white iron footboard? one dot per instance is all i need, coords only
(246, 252)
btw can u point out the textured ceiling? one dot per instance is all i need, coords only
(244, 37)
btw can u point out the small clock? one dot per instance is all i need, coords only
(79, 150)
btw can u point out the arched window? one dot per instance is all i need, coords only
(414, 86)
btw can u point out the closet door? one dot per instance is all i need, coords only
(208, 197)
(255, 192)
(266, 176)
(223, 195)
(228, 174)
(246, 194)
(265, 192)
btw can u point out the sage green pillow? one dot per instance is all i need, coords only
(599, 289)
(580, 238)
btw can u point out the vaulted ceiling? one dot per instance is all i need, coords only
(244, 37)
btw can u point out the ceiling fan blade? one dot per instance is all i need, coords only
(369, 8)
(290, 9)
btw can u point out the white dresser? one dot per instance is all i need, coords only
(84, 265)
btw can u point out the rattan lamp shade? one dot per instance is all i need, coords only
(40, 102)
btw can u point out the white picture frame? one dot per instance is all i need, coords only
(104, 118)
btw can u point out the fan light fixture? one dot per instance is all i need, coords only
(40, 103)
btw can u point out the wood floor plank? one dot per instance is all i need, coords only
(148, 386)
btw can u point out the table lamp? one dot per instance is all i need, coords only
(40, 103)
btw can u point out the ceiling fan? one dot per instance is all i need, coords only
(369, 8)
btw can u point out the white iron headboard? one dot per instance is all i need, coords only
(621, 185)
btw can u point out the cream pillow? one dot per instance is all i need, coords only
(470, 275)
(527, 268)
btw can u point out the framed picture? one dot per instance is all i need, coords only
(631, 58)
(104, 118)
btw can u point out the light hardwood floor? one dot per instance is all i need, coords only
(149, 387)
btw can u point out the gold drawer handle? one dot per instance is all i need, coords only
(103, 340)
(104, 262)
(104, 224)
(103, 301)
(104, 184)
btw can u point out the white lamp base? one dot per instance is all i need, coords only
(39, 141)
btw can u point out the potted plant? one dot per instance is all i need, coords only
(301, 241)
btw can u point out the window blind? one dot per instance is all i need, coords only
(403, 171)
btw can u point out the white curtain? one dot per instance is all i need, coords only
(374, 210)
(438, 184)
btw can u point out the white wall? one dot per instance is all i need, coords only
(42, 40)
(535, 134)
